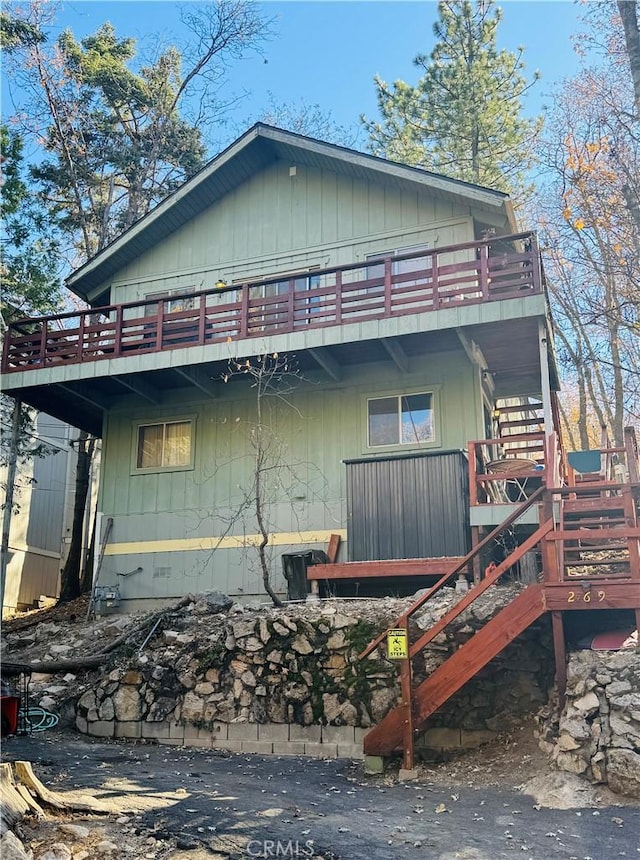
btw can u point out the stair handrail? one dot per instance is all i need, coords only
(404, 618)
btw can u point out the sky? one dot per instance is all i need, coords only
(328, 52)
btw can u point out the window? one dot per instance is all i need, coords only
(398, 267)
(183, 303)
(405, 419)
(166, 445)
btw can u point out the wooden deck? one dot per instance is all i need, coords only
(446, 277)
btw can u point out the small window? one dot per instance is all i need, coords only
(405, 419)
(182, 302)
(166, 445)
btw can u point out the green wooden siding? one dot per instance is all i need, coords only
(326, 426)
(276, 222)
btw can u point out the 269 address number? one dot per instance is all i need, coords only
(586, 596)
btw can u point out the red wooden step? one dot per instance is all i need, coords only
(453, 674)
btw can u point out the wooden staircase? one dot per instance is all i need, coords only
(452, 675)
(589, 543)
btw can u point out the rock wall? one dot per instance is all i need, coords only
(257, 680)
(598, 734)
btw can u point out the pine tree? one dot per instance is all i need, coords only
(463, 117)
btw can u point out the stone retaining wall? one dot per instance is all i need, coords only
(598, 734)
(289, 681)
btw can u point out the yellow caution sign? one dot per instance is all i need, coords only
(397, 645)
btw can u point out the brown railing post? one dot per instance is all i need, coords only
(473, 481)
(339, 297)
(244, 310)
(549, 548)
(160, 324)
(484, 272)
(43, 342)
(117, 335)
(387, 286)
(535, 264)
(435, 298)
(80, 347)
(202, 319)
(5, 349)
(291, 308)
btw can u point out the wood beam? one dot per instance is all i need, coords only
(327, 362)
(383, 569)
(88, 394)
(199, 377)
(396, 353)
(476, 356)
(545, 378)
(138, 386)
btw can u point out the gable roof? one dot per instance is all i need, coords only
(259, 147)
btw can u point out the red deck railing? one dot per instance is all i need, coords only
(447, 277)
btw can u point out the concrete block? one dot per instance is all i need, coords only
(350, 751)
(259, 747)
(155, 731)
(201, 743)
(243, 732)
(219, 731)
(407, 775)
(207, 732)
(308, 734)
(129, 729)
(231, 745)
(288, 747)
(273, 732)
(373, 764)
(102, 728)
(176, 730)
(338, 734)
(358, 734)
(321, 750)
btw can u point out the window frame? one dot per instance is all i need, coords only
(432, 391)
(154, 422)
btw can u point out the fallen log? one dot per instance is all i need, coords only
(93, 661)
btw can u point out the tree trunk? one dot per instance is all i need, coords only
(629, 16)
(70, 586)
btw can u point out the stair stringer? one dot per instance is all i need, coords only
(461, 666)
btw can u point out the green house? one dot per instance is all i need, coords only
(399, 322)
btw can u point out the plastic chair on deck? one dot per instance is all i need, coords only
(587, 466)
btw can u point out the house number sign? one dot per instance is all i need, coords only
(397, 645)
(585, 597)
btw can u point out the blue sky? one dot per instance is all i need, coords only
(328, 52)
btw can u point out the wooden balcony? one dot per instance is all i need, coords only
(447, 277)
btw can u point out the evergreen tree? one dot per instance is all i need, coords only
(463, 117)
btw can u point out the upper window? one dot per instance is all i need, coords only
(182, 303)
(166, 445)
(405, 419)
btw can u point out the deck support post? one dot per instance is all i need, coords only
(561, 657)
(475, 540)
(407, 706)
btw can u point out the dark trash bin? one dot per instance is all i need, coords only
(294, 568)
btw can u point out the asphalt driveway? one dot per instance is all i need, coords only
(239, 806)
